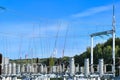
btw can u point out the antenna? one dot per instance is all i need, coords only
(113, 10)
(113, 22)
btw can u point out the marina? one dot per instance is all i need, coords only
(38, 71)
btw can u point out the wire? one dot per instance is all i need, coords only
(65, 41)
(41, 46)
(20, 48)
(56, 38)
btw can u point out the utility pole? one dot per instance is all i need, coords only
(92, 36)
(91, 65)
(113, 34)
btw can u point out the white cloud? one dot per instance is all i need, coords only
(49, 30)
(93, 11)
(54, 27)
(29, 30)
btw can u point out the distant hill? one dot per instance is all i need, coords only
(101, 50)
(43, 61)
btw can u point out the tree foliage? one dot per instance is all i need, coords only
(101, 50)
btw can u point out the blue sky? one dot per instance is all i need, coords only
(29, 27)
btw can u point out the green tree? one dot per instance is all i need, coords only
(51, 63)
(107, 54)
